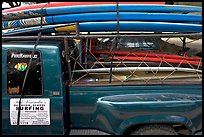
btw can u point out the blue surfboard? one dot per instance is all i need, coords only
(104, 16)
(98, 8)
(112, 26)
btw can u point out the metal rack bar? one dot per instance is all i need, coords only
(101, 36)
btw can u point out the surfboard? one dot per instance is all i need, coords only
(58, 4)
(112, 26)
(122, 69)
(31, 13)
(140, 64)
(143, 76)
(146, 54)
(125, 63)
(136, 79)
(127, 76)
(103, 16)
(128, 58)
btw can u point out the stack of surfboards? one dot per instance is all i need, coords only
(57, 17)
(102, 16)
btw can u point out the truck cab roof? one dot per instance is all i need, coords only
(29, 44)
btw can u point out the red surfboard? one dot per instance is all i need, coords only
(58, 4)
(178, 61)
(145, 54)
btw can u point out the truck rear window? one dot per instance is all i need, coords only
(17, 64)
(129, 44)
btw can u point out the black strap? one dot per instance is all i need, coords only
(118, 18)
(77, 30)
(25, 77)
(14, 4)
(114, 43)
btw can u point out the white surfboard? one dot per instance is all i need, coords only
(122, 69)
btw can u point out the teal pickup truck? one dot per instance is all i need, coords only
(55, 100)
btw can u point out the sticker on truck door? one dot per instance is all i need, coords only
(33, 111)
(17, 64)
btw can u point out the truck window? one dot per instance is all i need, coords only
(129, 44)
(17, 63)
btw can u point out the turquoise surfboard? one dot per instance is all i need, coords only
(112, 26)
(157, 8)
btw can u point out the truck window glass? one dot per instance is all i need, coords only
(129, 44)
(17, 63)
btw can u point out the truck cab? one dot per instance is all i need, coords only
(47, 101)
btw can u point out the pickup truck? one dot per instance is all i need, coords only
(53, 105)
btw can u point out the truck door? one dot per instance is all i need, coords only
(42, 106)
